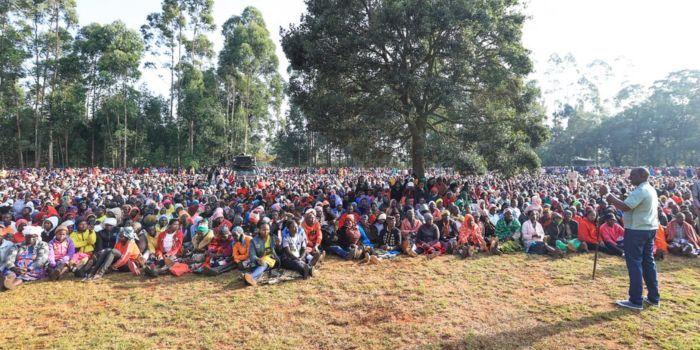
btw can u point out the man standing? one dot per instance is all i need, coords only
(695, 190)
(641, 222)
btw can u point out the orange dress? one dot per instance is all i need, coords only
(660, 240)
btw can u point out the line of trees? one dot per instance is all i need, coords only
(381, 82)
(69, 95)
(660, 129)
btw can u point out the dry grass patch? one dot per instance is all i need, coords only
(504, 302)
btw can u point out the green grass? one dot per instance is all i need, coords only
(503, 302)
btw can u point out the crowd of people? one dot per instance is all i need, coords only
(153, 222)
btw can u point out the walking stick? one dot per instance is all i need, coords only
(595, 258)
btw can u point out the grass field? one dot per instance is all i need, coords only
(503, 302)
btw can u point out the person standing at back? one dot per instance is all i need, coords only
(695, 190)
(641, 222)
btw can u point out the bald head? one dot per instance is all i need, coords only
(638, 175)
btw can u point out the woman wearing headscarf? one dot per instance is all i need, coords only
(124, 256)
(49, 225)
(61, 250)
(588, 230)
(218, 257)
(348, 240)
(262, 255)
(84, 240)
(428, 238)
(18, 236)
(470, 236)
(25, 261)
(409, 229)
(168, 249)
(241, 247)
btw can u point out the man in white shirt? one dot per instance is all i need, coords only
(641, 223)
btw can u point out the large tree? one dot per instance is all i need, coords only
(248, 66)
(14, 36)
(412, 67)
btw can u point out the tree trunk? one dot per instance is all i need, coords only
(179, 164)
(418, 147)
(191, 137)
(245, 134)
(19, 141)
(125, 128)
(92, 144)
(172, 78)
(50, 147)
(37, 153)
(66, 139)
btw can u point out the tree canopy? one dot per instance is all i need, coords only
(659, 130)
(398, 72)
(395, 83)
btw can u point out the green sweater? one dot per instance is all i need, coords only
(505, 230)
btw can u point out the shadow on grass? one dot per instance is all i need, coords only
(527, 337)
(126, 281)
(668, 265)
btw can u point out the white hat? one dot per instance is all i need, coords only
(110, 221)
(32, 231)
(382, 216)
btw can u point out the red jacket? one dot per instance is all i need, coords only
(177, 244)
(587, 231)
(313, 234)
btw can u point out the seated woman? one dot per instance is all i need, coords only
(197, 248)
(162, 224)
(241, 247)
(681, 237)
(660, 244)
(314, 236)
(533, 236)
(49, 226)
(470, 238)
(507, 233)
(6, 243)
(61, 250)
(18, 236)
(25, 261)
(218, 258)
(409, 229)
(85, 242)
(428, 238)
(563, 232)
(449, 230)
(348, 245)
(390, 235)
(588, 230)
(262, 255)
(295, 256)
(612, 234)
(168, 248)
(123, 257)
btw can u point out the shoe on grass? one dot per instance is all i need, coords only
(9, 281)
(629, 305)
(655, 304)
(249, 279)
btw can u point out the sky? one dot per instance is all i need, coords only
(643, 40)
